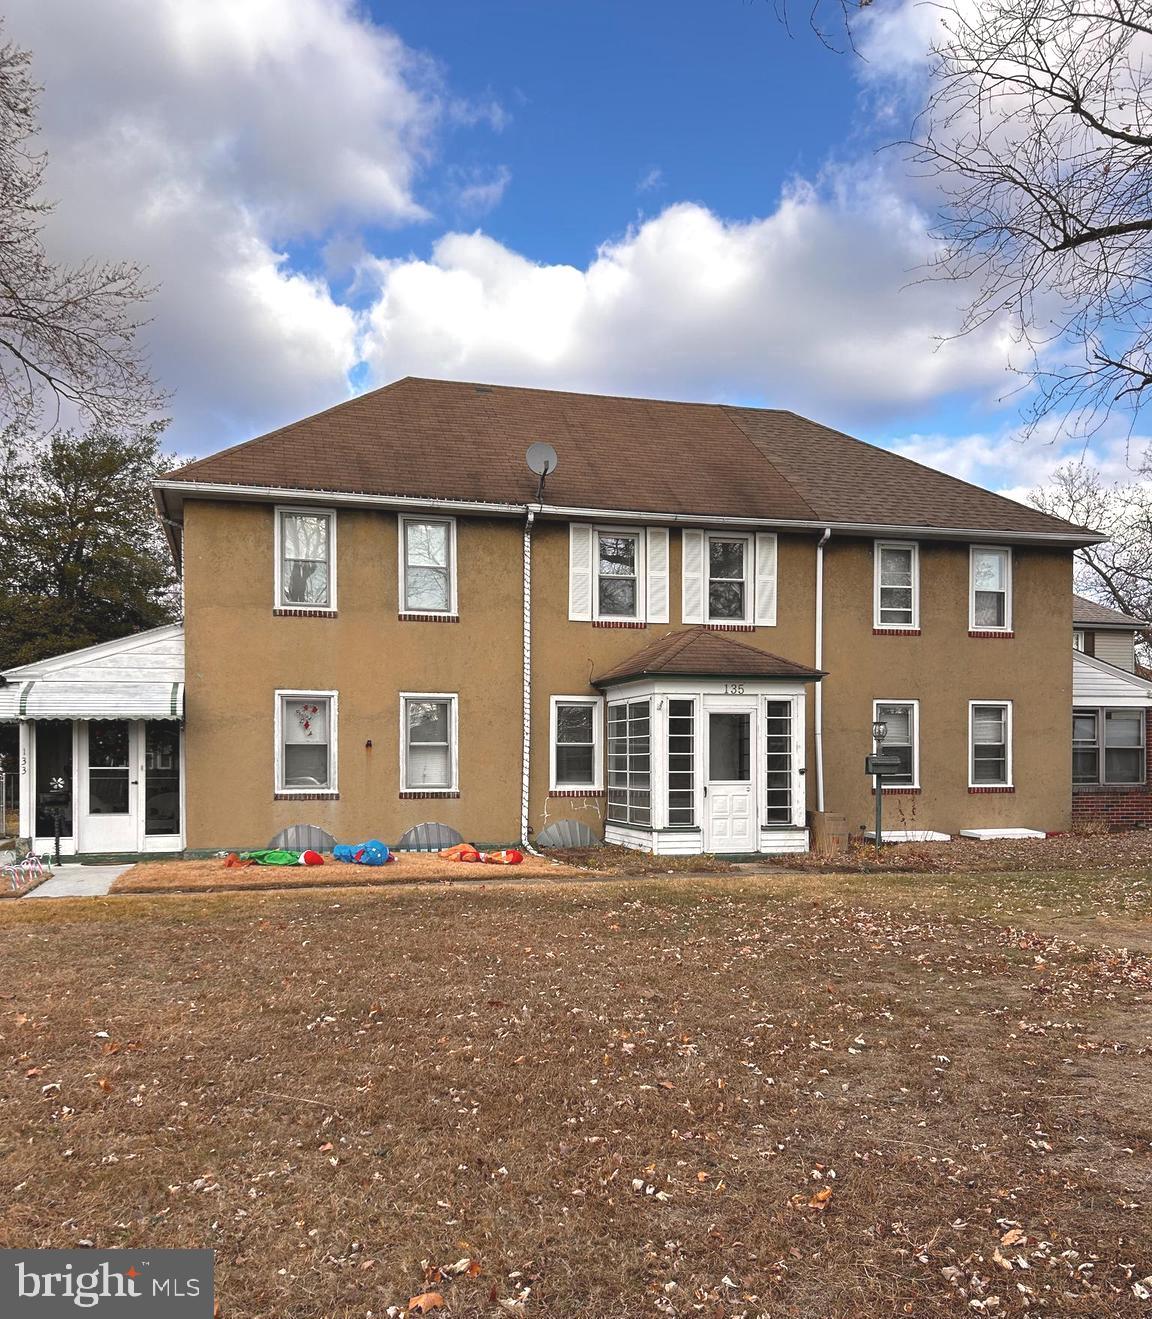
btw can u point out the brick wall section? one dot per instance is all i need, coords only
(1119, 808)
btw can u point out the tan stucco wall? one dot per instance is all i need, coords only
(239, 654)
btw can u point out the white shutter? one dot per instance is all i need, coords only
(579, 572)
(657, 574)
(692, 577)
(765, 579)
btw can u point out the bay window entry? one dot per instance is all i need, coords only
(427, 565)
(698, 766)
(1108, 747)
(306, 559)
(429, 761)
(306, 742)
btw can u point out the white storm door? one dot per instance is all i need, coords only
(730, 821)
(109, 786)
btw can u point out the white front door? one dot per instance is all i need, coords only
(730, 817)
(110, 756)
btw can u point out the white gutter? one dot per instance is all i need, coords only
(526, 745)
(225, 490)
(819, 698)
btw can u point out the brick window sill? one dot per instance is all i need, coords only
(976, 792)
(576, 792)
(428, 618)
(895, 631)
(900, 790)
(304, 613)
(730, 627)
(306, 796)
(617, 622)
(991, 636)
(426, 796)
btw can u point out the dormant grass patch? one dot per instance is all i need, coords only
(617, 1098)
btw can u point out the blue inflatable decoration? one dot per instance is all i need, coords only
(372, 853)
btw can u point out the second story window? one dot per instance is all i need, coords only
(991, 590)
(427, 566)
(897, 585)
(617, 574)
(305, 559)
(727, 579)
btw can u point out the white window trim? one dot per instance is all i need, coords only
(291, 694)
(278, 539)
(1009, 781)
(453, 700)
(904, 700)
(597, 784)
(877, 547)
(641, 614)
(749, 578)
(402, 522)
(973, 626)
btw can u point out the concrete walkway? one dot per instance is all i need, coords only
(78, 882)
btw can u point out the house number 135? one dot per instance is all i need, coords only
(733, 689)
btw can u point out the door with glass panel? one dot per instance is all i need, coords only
(110, 786)
(730, 815)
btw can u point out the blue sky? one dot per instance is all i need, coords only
(665, 197)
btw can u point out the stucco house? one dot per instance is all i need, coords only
(682, 640)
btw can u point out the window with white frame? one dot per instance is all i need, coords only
(427, 565)
(901, 740)
(305, 558)
(728, 591)
(618, 569)
(575, 742)
(1108, 747)
(428, 752)
(897, 584)
(990, 739)
(1078, 640)
(682, 763)
(630, 763)
(991, 589)
(306, 742)
(778, 750)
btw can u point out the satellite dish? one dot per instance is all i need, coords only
(541, 459)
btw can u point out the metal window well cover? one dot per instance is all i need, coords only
(567, 833)
(303, 838)
(429, 837)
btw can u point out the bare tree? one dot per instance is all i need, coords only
(67, 332)
(1039, 127)
(1117, 573)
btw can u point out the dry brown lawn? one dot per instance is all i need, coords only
(412, 867)
(753, 1097)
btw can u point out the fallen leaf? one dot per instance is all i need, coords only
(34, 1071)
(1012, 1236)
(821, 1198)
(425, 1303)
(104, 1084)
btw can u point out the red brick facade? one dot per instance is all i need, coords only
(1119, 808)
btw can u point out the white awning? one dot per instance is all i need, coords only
(41, 698)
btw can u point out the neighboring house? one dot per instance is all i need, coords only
(682, 641)
(1111, 718)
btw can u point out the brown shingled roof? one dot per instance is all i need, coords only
(438, 439)
(1087, 611)
(699, 652)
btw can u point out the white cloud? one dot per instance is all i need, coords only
(814, 307)
(205, 138)
(1015, 463)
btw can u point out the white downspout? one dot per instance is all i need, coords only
(526, 747)
(819, 702)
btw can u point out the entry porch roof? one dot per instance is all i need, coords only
(703, 652)
(136, 677)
